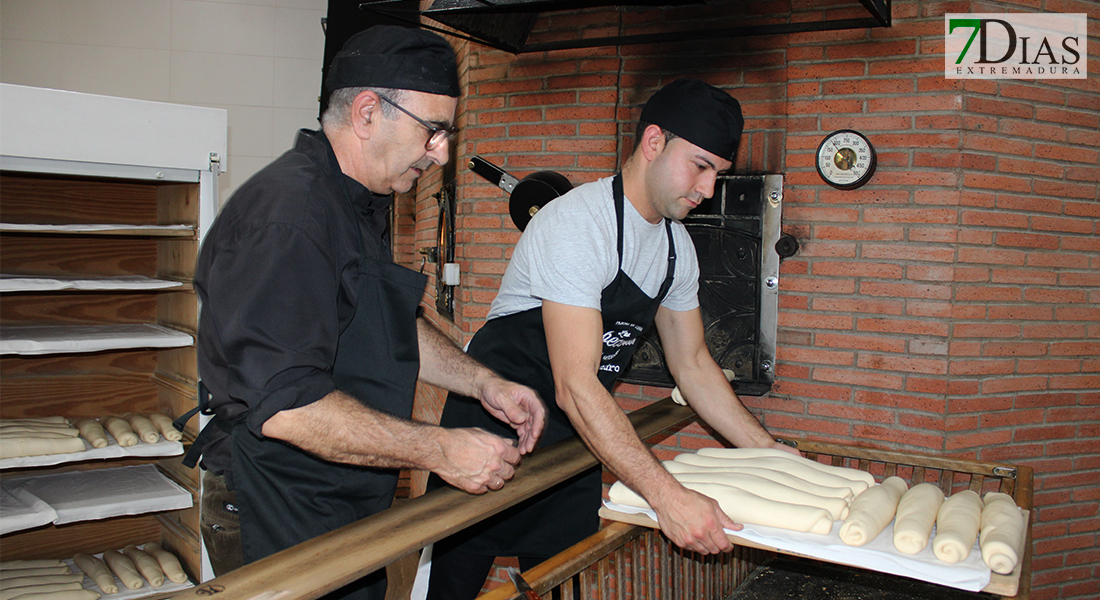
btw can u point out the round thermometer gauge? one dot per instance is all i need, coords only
(845, 159)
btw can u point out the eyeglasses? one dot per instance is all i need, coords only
(436, 135)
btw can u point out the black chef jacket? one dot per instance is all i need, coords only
(276, 279)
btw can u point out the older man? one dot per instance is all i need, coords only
(309, 338)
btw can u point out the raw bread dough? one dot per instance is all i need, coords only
(144, 428)
(1002, 533)
(97, 571)
(146, 565)
(10, 593)
(957, 524)
(124, 569)
(91, 430)
(872, 511)
(171, 566)
(167, 429)
(916, 515)
(32, 563)
(39, 420)
(67, 595)
(34, 572)
(769, 490)
(120, 430)
(37, 429)
(843, 493)
(39, 580)
(776, 464)
(754, 453)
(744, 507)
(12, 447)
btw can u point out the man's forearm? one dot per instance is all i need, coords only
(341, 429)
(443, 364)
(607, 431)
(711, 396)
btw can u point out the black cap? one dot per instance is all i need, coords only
(401, 58)
(698, 112)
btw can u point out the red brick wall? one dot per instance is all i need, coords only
(948, 307)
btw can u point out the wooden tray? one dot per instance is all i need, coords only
(951, 474)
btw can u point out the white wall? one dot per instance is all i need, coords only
(258, 59)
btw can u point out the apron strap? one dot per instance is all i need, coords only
(617, 194)
(191, 458)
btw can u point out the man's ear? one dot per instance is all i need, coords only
(652, 142)
(365, 114)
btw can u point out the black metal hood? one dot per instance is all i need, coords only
(507, 24)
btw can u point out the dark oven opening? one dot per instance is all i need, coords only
(735, 235)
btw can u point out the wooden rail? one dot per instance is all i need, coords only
(330, 561)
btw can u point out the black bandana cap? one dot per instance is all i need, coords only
(391, 56)
(698, 112)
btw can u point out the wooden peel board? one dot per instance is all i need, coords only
(1002, 585)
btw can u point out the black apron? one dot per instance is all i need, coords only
(286, 496)
(515, 347)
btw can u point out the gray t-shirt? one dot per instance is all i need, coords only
(567, 254)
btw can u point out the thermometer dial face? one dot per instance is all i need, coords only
(845, 159)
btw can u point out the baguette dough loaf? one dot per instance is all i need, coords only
(754, 453)
(91, 430)
(782, 465)
(144, 428)
(957, 524)
(10, 593)
(769, 490)
(66, 595)
(34, 571)
(124, 569)
(120, 430)
(872, 511)
(32, 563)
(39, 580)
(844, 493)
(64, 430)
(167, 429)
(97, 571)
(12, 447)
(146, 565)
(1002, 532)
(744, 507)
(171, 566)
(915, 517)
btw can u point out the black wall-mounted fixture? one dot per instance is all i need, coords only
(506, 24)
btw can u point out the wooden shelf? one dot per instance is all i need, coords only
(184, 231)
(103, 210)
(10, 283)
(31, 340)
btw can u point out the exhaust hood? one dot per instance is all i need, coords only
(507, 24)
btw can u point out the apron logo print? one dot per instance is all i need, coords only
(210, 590)
(618, 339)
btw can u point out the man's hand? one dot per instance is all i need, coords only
(475, 460)
(695, 522)
(785, 448)
(518, 406)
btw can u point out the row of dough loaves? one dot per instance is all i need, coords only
(764, 487)
(960, 520)
(33, 436)
(54, 579)
(778, 489)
